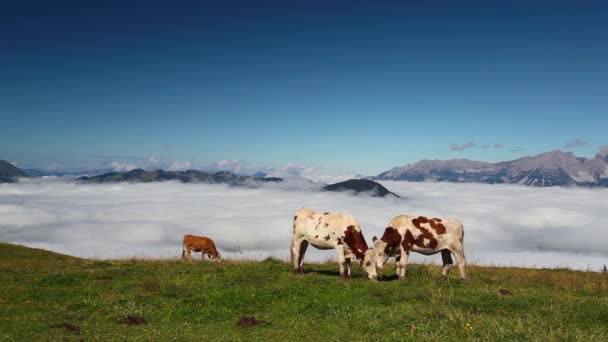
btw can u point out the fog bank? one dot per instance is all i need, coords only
(504, 224)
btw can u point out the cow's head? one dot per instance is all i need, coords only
(214, 255)
(369, 264)
(380, 253)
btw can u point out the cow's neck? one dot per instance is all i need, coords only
(355, 241)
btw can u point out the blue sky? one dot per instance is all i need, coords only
(351, 85)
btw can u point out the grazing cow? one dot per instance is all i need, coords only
(199, 244)
(331, 231)
(423, 235)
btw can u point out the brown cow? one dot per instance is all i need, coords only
(199, 244)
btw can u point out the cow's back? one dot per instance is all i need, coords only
(198, 241)
(309, 223)
(427, 234)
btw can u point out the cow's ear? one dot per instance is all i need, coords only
(374, 238)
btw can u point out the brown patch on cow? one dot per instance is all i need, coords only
(295, 217)
(423, 219)
(132, 320)
(437, 219)
(426, 234)
(392, 238)
(408, 241)
(504, 292)
(327, 237)
(355, 241)
(316, 236)
(369, 263)
(439, 227)
(66, 326)
(325, 213)
(248, 322)
(340, 242)
(326, 225)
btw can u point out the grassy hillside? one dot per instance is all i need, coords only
(45, 295)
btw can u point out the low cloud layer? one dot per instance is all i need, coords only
(504, 224)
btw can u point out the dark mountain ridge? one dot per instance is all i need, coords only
(361, 186)
(190, 176)
(9, 172)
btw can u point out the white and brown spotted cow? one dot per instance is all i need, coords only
(337, 231)
(423, 235)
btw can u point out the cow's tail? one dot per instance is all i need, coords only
(293, 232)
(461, 234)
(291, 251)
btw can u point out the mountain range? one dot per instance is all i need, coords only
(553, 168)
(139, 175)
(9, 172)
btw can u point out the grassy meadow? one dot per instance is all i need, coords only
(48, 296)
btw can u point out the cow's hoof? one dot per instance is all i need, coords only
(401, 279)
(464, 281)
(298, 271)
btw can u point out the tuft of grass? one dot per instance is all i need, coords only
(49, 296)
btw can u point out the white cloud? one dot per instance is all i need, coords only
(154, 160)
(456, 147)
(576, 143)
(504, 224)
(123, 166)
(180, 166)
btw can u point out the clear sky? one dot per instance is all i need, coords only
(353, 85)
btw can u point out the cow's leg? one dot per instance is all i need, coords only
(348, 267)
(303, 247)
(295, 253)
(342, 261)
(446, 257)
(462, 265)
(202, 254)
(402, 264)
(188, 253)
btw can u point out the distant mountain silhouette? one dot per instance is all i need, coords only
(37, 172)
(554, 168)
(9, 172)
(359, 186)
(190, 176)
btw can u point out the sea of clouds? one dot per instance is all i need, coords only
(504, 224)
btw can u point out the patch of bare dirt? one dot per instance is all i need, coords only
(248, 322)
(66, 326)
(132, 320)
(504, 292)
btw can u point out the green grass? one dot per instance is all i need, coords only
(199, 301)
